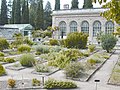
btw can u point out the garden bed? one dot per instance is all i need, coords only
(52, 71)
(115, 75)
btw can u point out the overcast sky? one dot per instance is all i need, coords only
(65, 2)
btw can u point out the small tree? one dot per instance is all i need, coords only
(108, 42)
(3, 44)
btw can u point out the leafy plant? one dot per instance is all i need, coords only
(108, 42)
(91, 47)
(41, 68)
(11, 83)
(24, 48)
(1, 54)
(54, 84)
(3, 44)
(1, 59)
(74, 70)
(9, 60)
(53, 42)
(55, 49)
(27, 60)
(35, 82)
(2, 70)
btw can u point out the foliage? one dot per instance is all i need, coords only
(86, 53)
(24, 48)
(108, 42)
(91, 61)
(74, 70)
(43, 49)
(87, 4)
(2, 70)
(11, 83)
(41, 68)
(55, 49)
(9, 60)
(27, 60)
(3, 13)
(1, 54)
(76, 40)
(74, 4)
(1, 59)
(27, 41)
(35, 82)
(3, 44)
(54, 84)
(53, 42)
(57, 4)
(91, 47)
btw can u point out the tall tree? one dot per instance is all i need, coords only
(27, 12)
(13, 12)
(39, 22)
(57, 4)
(47, 15)
(4, 18)
(17, 13)
(74, 4)
(87, 4)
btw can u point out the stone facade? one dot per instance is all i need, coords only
(85, 20)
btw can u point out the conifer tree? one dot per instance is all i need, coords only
(17, 13)
(39, 22)
(57, 4)
(27, 12)
(87, 4)
(3, 18)
(47, 15)
(13, 11)
(74, 4)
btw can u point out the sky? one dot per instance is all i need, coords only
(65, 2)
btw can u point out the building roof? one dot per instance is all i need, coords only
(20, 26)
(78, 11)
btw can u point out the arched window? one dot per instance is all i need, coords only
(62, 27)
(109, 27)
(96, 28)
(85, 27)
(73, 26)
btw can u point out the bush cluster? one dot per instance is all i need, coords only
(2, 70)
(3, 44)
(41, 68)
(1, 54)
(91, 47)
(24, 48)
(53, 42)
(27, 60)
(9, 60)
(54, 84)
(76, 40)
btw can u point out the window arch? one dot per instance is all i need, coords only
(85, 27)
(96, 28)
(62, 26)
(109, 27)
(73, 26)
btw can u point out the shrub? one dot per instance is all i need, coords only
(24, 48)
(91, 61)
(76, 40)
(43, 49)
(9, 60)
(74, 70)
(35, 82)
(47, 33)
(41, 68)
(91, 47)
(53, 42)
(55, 49)
(54, 84)
(27, 60)
(108, 42)
(1, 59)
(86, 53)
(27, 41)
(3, 44)
(2, 70)
(11, 83)
(1, 54)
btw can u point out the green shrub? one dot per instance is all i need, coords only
(1, 59)
(55, 49)
(54, 84)
(27, 60)
(41, 68)
(9, 60)
(76, 40)
(108, 42)
(91, 61)
(43, 49)
(91, 47)
(24, 48)
(2, 70)
(27, 41)
(1, 54)
(35, 82)
(74, 70)
(119, 63)
(86, 53)
(3, 44)
(47, 33)
(53, 42)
